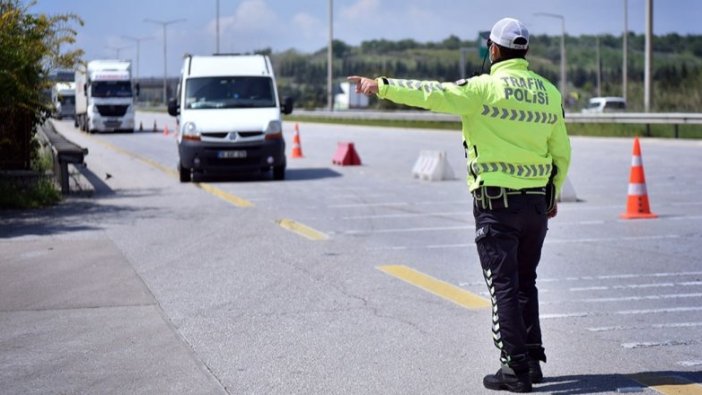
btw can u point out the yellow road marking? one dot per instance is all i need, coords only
(439, 288)
(302, 229)
(226, 196)
(132, 155)
(668, 384)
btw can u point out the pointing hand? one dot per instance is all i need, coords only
(367, 86)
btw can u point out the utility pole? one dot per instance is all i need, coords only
(625, 51)
(330, 58)
(164, 24)
(564, 82)
(217, 47)
(117, 50)
(138, 41)
(648, 55)
(599, 68)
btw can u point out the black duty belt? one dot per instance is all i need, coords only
(498, 197)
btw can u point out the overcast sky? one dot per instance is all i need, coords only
(247, 25)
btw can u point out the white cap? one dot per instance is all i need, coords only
(507, 33)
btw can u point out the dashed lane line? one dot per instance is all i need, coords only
(226, 196)
(212, 190)
(437, 287)
(302, 229)
(665, 384)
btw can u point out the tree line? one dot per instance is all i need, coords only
(677, 67)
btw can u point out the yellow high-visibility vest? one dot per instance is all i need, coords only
(513, 123)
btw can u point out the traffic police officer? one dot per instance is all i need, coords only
(518, 155)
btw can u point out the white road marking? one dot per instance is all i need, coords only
(655, 344)
(690, 363)
(651, 326)
(635, 286)
(622, 312)
(405, 230)
(409, 215)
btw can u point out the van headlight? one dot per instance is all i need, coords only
(274, 130)
(190, 132)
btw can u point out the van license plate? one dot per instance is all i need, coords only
(231, 154)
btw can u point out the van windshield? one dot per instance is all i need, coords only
(229, 92)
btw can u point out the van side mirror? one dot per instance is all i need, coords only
(287, 107)
(137, 88)
(173, 109)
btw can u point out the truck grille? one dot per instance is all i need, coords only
(112, 110)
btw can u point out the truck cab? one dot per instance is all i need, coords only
(229, 116)
(104, 96)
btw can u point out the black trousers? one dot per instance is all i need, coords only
(509, 241)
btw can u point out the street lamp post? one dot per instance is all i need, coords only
(564, 82)
(117, 50)
(217, 47)
(648, 55)
(625, 37)
(164, 24)
(330, 58)
(138, 41)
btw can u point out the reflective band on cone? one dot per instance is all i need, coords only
(637, 200)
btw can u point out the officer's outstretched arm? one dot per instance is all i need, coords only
(431, 95)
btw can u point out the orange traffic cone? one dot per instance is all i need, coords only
(296, 148)
(165, 130)
(637, 201)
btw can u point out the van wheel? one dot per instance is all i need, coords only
(185, 175)
(279, 173)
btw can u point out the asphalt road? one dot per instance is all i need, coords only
(353, 280)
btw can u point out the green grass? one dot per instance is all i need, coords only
(574, 129)
(24, 195)
(32, 191)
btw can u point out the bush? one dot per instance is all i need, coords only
(29, 50)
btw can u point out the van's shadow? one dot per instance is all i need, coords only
(614, 383)
(305, 174)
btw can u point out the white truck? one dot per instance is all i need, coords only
(63, 98)
(104, 96)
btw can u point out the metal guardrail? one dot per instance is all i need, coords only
(64, 152)
(672, 118)
(625, 117)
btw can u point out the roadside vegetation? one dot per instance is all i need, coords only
(30, 49)
(677, 67)
(33, 188)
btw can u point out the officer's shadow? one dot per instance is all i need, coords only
(616, 383)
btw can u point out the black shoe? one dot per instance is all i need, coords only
(508, 381)
(535, 371)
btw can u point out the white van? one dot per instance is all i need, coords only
(605, 104)
(229, 116)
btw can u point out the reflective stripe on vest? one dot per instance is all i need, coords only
(512, 114)
(512, 169)
(427, 86)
